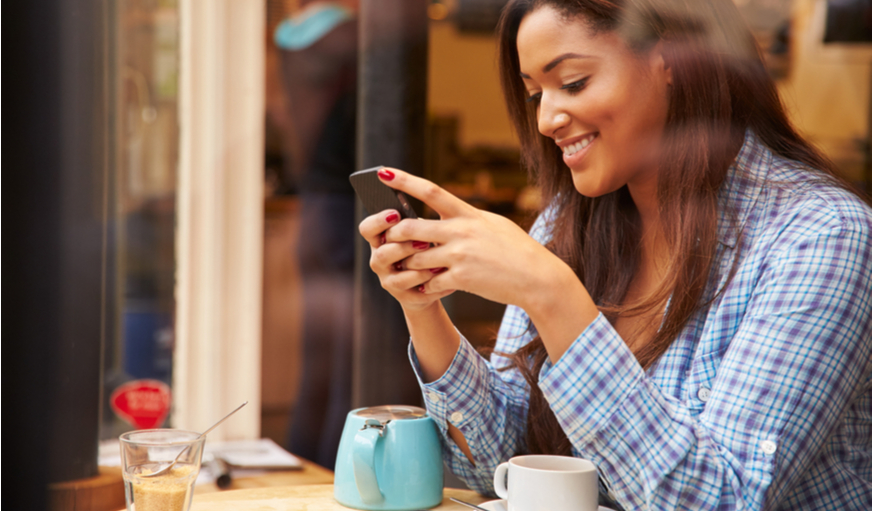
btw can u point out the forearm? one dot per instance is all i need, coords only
(434, 337)
(436, 342)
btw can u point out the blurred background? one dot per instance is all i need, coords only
(203, 154)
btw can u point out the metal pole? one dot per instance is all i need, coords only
(392, 109)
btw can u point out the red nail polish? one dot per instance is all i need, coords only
(392, 217)
(421, 288)
(382, 239)
(386, 174)
(420, 245)
(398, 266)
(437, 271)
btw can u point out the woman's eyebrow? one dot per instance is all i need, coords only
(551, 65)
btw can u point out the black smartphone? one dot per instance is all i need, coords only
(377, 196)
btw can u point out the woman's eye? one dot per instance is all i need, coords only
(575, 86)
(572, 88)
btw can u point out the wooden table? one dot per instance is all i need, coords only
(311, 473)
(317, 497)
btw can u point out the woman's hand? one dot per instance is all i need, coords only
(420, 261)
(387, 261)
(468, 249)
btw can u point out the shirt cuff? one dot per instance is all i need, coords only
(586, 386)
(459, 396)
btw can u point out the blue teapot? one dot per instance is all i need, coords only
(389, 458)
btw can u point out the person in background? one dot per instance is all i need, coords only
(319, 70)
(692, 310)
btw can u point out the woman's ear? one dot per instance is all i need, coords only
(659, 64)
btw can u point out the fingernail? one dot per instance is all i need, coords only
(420, 245)
(392, 217)
(436, 271)
(398, 266)
(421, 288)
(386, 174)
(382, 239)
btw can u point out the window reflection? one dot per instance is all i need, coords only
(145, 46)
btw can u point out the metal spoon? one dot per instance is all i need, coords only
(468, 504)
(171, 465)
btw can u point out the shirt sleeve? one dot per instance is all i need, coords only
(484, 404)
(787, 376)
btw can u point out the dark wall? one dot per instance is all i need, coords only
(55, 168)
(392, 113)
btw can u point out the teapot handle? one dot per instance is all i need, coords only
(363, 459)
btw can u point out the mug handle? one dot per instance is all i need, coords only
(500, 481)
(363, 460)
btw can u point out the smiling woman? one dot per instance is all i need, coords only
(605, 107)
(692, 311)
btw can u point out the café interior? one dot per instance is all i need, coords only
(156, 276)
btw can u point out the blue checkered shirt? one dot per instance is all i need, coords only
(764, 401)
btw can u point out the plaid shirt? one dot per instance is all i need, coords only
(763, 401)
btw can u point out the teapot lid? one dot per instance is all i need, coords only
(387, 413)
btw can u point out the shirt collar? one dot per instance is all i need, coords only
(741, 188)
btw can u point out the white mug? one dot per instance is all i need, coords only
(547, 483)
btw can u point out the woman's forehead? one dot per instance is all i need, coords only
(548, 19)
(546, 34)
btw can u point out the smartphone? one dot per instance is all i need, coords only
(377, 196)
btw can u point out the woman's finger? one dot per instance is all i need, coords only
(373, 226)
(435, 288)
(407, 280)
(440, 200)
(411, 288)
(417, 230)
(430, 259)
(415, 299)
(386, 257)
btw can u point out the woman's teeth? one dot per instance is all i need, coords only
(578, 146)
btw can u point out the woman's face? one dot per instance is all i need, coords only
(602, 104)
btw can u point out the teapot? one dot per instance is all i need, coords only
(389, 458)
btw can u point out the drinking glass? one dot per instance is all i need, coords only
(146, 451)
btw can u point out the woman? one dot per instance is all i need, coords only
(691, 311)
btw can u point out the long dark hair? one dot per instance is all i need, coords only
(720, 89)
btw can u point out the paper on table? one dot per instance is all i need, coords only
(257, 454)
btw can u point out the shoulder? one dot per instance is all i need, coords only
(769, 199)
(797, 203)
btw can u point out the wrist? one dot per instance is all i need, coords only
(554, 284)
(434, 337)
(422, 312)
(560, 308)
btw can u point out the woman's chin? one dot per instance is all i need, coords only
(590, 188)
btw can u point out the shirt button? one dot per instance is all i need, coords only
(767, 446)
(456, 417)
(434, 397)
(704, 394)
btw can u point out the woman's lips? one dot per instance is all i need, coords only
(573, 153)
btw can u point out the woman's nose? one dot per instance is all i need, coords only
(551, 120)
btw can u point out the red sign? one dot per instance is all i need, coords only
(143, 404)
